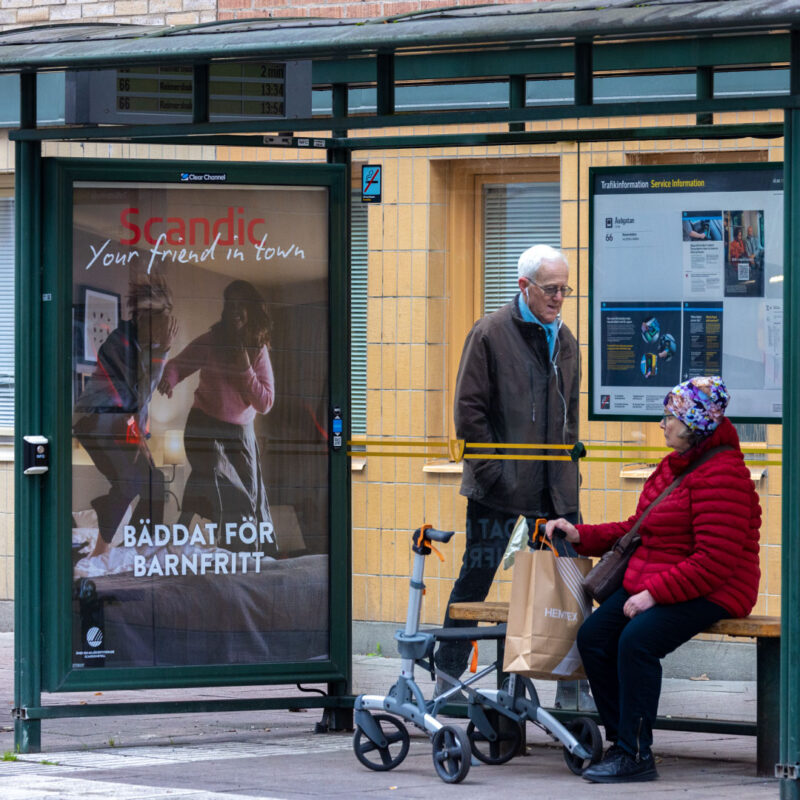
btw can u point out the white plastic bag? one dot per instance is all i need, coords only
(517, 541)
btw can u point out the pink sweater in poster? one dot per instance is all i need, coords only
(224, 393)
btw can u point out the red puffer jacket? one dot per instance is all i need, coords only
(702, 539)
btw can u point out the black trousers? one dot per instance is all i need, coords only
(488, 532)
(622, 658)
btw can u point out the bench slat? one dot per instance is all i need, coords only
(480, 612)
(756, 625)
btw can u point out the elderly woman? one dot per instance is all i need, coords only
(697, 563)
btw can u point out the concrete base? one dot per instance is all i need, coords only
(6, 616)
(717, 661)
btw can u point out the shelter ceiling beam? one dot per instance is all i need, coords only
(663, 55)
(720, 132)
(466, 117)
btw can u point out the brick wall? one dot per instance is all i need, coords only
(363, 9)
(23, 13)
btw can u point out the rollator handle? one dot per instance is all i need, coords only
(422, 537)
(537, 538)
(536, 535)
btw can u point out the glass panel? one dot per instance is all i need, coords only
(358, 314)
(200, 487)
(7, 247)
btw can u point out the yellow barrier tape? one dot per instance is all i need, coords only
(505, 457)
(455, 450)
(397, 443)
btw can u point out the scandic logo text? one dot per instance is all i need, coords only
(230, 228)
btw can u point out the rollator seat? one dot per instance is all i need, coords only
(469, 634)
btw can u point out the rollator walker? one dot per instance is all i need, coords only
(497, 717)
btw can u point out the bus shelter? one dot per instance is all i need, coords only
(89, 231)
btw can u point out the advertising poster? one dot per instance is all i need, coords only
(200, 476)
(686, 279)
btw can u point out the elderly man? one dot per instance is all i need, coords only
(517, 382)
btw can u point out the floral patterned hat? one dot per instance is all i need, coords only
(698, 403)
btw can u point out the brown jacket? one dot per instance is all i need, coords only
(508, 391)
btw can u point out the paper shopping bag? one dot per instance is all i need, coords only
(548, 605)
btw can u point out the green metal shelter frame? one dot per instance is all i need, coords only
(521, 45)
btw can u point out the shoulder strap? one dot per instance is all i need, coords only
(693, 466)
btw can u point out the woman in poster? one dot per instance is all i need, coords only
(226, 484)
(738, 249)
(111, 414)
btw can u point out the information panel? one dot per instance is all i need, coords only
(163, 94)
(686, 279)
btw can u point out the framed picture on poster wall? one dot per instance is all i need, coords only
(101, 311)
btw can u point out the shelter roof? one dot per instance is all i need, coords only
(109, 45)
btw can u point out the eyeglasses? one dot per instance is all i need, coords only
(667, 417)
(552, 290)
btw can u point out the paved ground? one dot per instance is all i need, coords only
(276, 754)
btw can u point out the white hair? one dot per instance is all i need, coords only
(530, 261)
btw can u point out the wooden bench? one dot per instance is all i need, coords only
(765, 630)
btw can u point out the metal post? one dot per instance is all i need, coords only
(517, 85)
(27, 402)
(340, 718)
(201, 99)
(339, 92)
(705, 91)
(768, 712)
(790, 544)
(584, 74)
(385, 84)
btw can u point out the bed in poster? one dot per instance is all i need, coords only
(686, 278)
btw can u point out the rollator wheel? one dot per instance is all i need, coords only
(585, 730)
(382, 759)
(450, 754)
(504, 747)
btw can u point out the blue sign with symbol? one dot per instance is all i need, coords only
(370, 184)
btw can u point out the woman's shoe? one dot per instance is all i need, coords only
(619, 766)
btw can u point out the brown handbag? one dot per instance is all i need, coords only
(606, 576)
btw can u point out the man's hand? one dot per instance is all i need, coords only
(572, 535)
(637, 603)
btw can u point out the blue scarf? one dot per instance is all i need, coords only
(550, 329)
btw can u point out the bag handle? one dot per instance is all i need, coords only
(702, 460)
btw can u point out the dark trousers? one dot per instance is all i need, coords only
(488, 532)
(622, 658)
